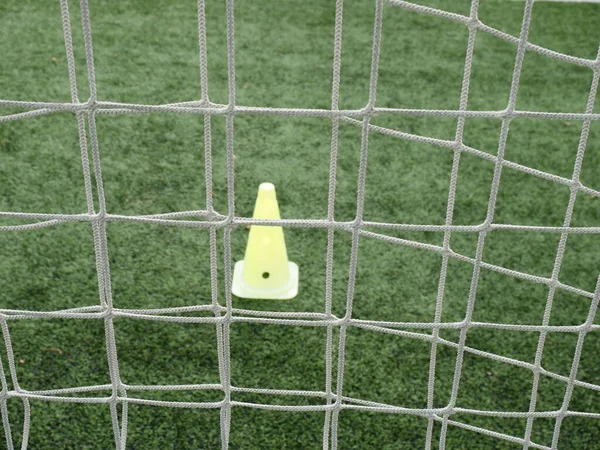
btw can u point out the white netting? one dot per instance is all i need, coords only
(224, 315)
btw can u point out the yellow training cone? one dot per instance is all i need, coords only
(265, 271)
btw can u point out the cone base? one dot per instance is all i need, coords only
(243, 290)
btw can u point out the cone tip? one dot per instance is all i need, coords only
(266, 187)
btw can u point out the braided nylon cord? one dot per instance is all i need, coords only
(119, 395)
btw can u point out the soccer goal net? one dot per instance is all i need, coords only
(332, 400)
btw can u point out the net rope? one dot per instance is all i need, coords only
(333, 398)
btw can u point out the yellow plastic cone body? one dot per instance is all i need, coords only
(265, 271)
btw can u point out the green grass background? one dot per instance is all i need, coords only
(146, 52)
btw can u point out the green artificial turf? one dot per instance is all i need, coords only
(146, 52)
